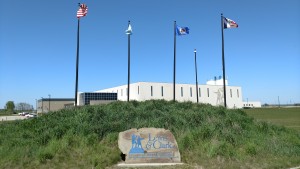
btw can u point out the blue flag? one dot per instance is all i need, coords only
(182, 30)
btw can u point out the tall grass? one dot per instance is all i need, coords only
(87, 137)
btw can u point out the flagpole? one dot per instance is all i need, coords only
(77, 63)
(195, 51)
(174, 70)
(223, 59)
(128, 82)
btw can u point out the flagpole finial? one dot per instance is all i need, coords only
(195, 50)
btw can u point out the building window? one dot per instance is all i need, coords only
(162, 91)
(121, 92)
(231, 93)
(191, 92)
(151, 90)
(199, 92)
(181, 92)
(207, 92)
(138, 90)
(238, 94)
(126, 91)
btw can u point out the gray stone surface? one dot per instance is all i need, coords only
(149, 145)
(10, 118)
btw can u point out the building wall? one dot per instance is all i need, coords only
(97, 102)
(212, 94)
(43, 105)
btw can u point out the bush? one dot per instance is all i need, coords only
(88, 136)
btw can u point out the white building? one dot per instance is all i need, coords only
(211, 93)
(251, 104)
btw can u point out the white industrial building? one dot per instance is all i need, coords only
(211, 93)
(251, 104)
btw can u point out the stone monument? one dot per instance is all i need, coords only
(149, 145)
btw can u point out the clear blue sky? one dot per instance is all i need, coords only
(38, 46)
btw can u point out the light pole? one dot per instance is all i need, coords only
(49, 101)
(195, 52)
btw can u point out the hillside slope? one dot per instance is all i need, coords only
(86, 137)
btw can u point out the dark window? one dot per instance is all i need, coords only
(151, 90)
(191, 92)
(238, 94)
(181, 92)
(162, 91)
(87, 97)
(207, 92)
(199, 92)
(231, 93)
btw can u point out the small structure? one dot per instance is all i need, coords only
(251, 104)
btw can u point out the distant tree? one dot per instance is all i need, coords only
(265, 105)
(10, 106)
(23, 106)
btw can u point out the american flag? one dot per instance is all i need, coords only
(82, 11)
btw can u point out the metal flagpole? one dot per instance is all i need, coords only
(77, 63)
(128, 83)
(195, 51)
(174, 71)
(223, 60)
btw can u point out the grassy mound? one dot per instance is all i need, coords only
(87, 137)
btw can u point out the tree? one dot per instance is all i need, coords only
(10, 106)
(23, 106)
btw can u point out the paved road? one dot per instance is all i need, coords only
(9, 118)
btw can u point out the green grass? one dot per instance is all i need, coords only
(207, 136)
(3, 112)
(288, 117)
